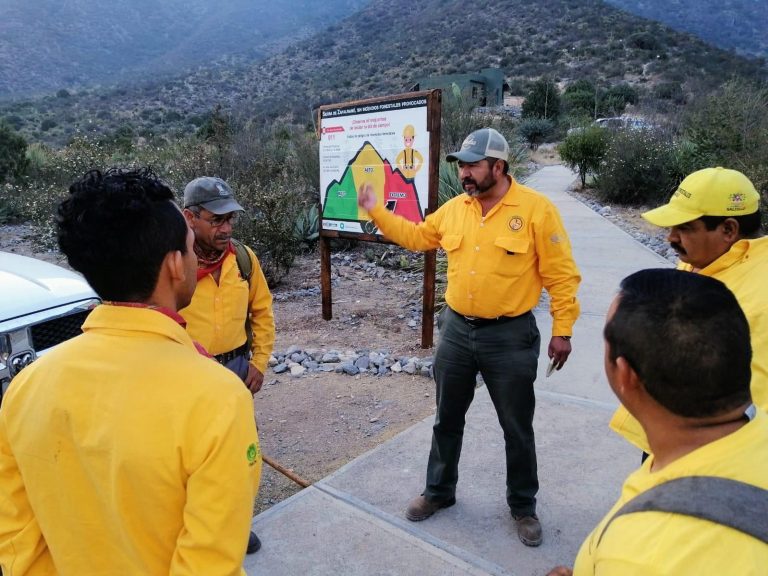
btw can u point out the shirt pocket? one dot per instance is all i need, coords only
(451, 244)
(512, 255)
(238, 300)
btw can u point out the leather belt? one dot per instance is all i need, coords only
(478, 322)
(232, 354)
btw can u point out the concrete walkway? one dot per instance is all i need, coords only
(351, 523)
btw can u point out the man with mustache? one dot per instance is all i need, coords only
(226, 305)
(504, 242)
(714, 226)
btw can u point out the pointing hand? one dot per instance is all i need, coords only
(366, 197)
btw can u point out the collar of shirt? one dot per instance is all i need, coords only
(172, 314)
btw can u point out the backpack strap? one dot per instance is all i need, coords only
(737, 505)
(245, 265)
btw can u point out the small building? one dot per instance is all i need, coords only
(485, 88)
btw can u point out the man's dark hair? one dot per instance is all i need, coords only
(116, 228)
(491, 161)
(749, 224)
(687, 339)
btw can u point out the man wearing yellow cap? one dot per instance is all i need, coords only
(714, 226)
(409, 161)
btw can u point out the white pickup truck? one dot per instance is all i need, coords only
(41, 305)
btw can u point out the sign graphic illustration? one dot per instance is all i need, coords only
(383, 143)
(396, 192)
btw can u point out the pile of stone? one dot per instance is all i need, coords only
(297, 362)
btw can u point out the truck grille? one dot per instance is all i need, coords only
(52, 332)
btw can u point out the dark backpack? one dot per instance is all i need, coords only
(731, 503)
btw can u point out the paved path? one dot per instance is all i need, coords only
(351, 523)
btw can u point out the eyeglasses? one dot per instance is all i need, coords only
(219, 220)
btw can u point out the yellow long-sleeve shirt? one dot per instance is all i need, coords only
(657, 543)
(125, 451)
(216, 316)
(744, 270)
(498, 263)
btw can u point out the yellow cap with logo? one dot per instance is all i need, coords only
(707, 192)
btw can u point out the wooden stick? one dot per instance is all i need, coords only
(285, 472)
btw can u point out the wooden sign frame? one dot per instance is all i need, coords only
(433, 100)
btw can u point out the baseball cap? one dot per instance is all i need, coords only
(708, 192)
(211, 193)
(483, 143)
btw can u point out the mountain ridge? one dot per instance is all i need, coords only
(367, 55)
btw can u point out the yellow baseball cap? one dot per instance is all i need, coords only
(708, 192)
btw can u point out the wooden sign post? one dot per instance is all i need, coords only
(393, 143)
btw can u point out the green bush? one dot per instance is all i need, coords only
(13, 148)
(535, 130)
(270, 229)
(638, 168)
(458, 120)
(730, 128)
(584, 149)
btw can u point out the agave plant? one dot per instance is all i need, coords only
(306, 228)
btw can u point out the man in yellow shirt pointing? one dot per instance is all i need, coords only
(125, 450)
(504, 242)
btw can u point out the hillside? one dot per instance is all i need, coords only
(386, 47)
(46, 45)
(737, 25)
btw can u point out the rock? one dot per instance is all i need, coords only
(298, 357)
(363, 362)
(350, 368)
(280, 368)
(272, 362)
(396, 367)
(383, 370)
(410, 368)
(330, 357)
(328, 367)
(297, 370)
(310, 364)
(292, 349)
(412, 323)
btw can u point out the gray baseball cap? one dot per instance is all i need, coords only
(483, 143)
(211, 193)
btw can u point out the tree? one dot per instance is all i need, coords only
(535, 130)
(583, 150)
(217, 131)
(13, 153)
(730, 128)
(542, 100)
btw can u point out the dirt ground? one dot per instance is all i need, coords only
(316, 423)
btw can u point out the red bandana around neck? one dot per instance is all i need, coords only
(208, 263)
